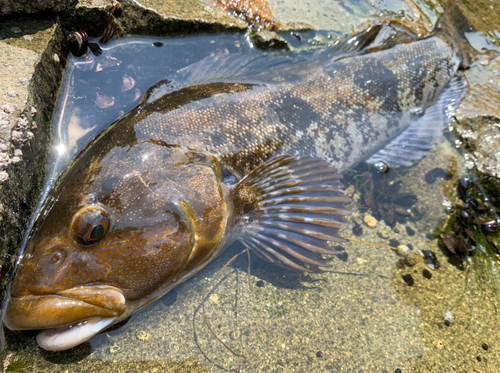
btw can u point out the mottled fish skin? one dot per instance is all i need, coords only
(157, 181)
(342, 112)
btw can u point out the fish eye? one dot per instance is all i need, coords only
(90, 225)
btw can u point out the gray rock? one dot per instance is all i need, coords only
(33, 6)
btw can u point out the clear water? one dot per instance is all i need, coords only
(358, 316)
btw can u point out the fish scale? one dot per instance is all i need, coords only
(231, 148)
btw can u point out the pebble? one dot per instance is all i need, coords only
(408, 279)
(143, 336)
(484, 346)
(370, 221)
(4, 176)
(402, 250)
(384, 232)
(357, 229)
(11, 109)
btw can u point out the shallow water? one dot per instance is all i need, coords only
(359, 315)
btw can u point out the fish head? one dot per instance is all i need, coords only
(121, 228)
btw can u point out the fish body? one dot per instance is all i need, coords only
(161, 192)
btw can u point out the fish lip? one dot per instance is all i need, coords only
(68, 307)
(69, 336)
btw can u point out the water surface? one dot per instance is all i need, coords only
(362, 315)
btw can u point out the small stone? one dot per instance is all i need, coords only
(447, 322)
(319, 354)
(28, 37)
(408, 279)
(398, 371)
(409, 231)
(32, 109)
(114, 349)
(427, 274)
(402, 250)
(18, 138)
(22, 123)
(357, 229)
(384, 232)
(479, 358)
(4, 176)
(401, 263)
(16, 160)
(33, 125)
(12, 94)
(143, 336)
(18, 153)
(11, 109)
(56, 59)
(128, 83)
(410, 260)
(235, 335)
(370, 221)
(260, 284)
(484, 346)
(394, 243)
(103, 101)
(15, 30)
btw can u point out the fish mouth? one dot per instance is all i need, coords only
(69, 317)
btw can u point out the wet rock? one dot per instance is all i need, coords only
(152, 17)
(33, 6)
(268, 40)
(478, 127)
(28, 70)
(370, 221)
(408, 279)
(427, 274)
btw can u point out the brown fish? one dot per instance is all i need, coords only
(229, 150)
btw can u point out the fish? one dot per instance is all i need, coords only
(231, 148)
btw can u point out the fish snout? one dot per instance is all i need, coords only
(64, 308)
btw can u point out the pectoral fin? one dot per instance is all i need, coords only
(289, 208)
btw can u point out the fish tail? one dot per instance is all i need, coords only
(454, 24)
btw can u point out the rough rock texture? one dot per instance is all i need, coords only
(33, 6)
(31, 70)
(152, 17)
(478, 125)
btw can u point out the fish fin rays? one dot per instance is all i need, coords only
(425, 132)
(289, 209)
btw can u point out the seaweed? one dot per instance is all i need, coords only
(470, 231)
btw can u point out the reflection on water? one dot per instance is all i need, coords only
(370, 312)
